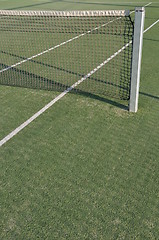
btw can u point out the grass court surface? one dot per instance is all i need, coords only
(86, 168)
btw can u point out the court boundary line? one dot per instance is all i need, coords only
(56, 46)
(51, 103)
(31, 119)
(151, 26)
(47, 106)
(62, 44)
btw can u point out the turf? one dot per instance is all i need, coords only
(65, 65)
(86, 168)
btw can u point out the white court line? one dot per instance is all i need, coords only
(148, 4)
(61, 44)
(57, 46)
(144, 6)
(26, 123)
(151, 26)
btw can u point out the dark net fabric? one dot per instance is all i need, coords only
(55, 52)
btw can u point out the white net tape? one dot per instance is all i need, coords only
(66, 13)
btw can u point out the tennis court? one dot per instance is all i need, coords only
(85, 168)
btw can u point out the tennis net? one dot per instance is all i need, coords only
(54, 49)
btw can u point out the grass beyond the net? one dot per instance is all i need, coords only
(85, 169)
(53, 50)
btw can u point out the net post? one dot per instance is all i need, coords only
(136, 58)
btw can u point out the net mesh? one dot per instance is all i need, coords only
(52, 51)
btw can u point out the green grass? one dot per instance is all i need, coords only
(86, 168)
(65, 65)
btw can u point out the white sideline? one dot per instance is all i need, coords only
(57, 46)
(144, 6)
(61, 44)
(26, 123)
(31, 119)
(151, 26)
(148, 4)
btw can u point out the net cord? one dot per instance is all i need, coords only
(114, 13)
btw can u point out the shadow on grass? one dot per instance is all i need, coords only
(80, 75)
(38, 82)
(149, 95)
(150, 39)
(103, 99)
(60, 87)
